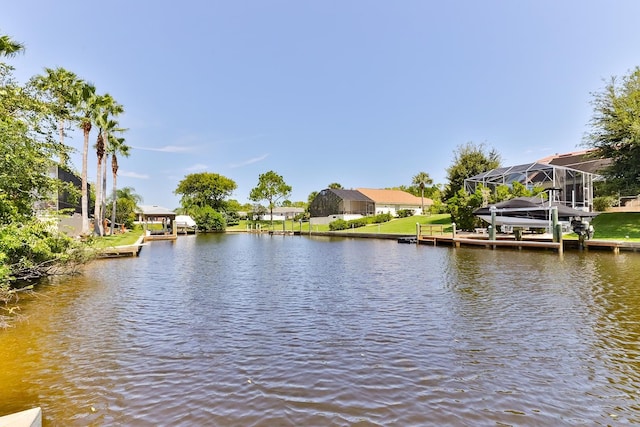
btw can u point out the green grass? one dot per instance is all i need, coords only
(608, 226)
(617, 226)
(395, 226)
(123, 239)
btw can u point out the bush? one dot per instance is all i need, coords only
(338, 224)
(380, 218)
(208, 219)
(601, 204)
(359, 222)
(405, 213)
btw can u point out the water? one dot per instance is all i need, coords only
(246, 330)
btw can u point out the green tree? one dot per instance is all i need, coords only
(208, 219)
(116, 146)
(9, 47)
(205, 189)
(335, 186)
(25, 153)
(469, 160)
(615, 132)
(422, 179)
(60, 86)
(125, 208)
(271, 187)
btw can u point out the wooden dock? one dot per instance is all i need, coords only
(533, 242)
(122, 251)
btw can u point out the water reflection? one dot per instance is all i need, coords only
(258, 330)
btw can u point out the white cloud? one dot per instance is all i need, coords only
(249, 161)
(167, 149)
(197, 167)
(133, 175)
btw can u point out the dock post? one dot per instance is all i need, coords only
(417, 232)
(492, 230)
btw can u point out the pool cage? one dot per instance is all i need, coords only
(566, 186)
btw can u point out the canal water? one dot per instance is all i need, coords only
(248, 330)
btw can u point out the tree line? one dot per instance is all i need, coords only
(34, 120)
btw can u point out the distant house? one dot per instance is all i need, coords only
(393, 201)
(341, 204)
(331, 204)
(282, 213)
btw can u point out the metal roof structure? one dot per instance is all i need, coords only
(568, 186)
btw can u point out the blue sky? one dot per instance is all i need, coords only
(366, 93)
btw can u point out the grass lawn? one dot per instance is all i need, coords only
(612, 226)
(395, 226)
(617, 226)
(121, 239)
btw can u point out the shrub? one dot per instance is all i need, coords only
(359, 222)
(601, 204)
(338, 224)
(209, 219)
(380, 218)
(405, 213)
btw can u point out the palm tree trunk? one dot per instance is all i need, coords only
(85, 189)
(103, 211)
(113, 203)
(97, 215)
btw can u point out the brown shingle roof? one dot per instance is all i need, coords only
(396, 197)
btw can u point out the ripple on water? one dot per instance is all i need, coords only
(260, 331)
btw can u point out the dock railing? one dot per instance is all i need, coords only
(431, 232)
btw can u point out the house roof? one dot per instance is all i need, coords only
(584, 161)
(397, 197)
(154, 210)
(287, 209)
(353, 195)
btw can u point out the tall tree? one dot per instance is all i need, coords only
(335, 186)
(86, 106)
(271, 187)
(422, 179)
(469, 160)
(62, 87)
(116, 146)
(107, 109)
(205, 189)
(615, 132)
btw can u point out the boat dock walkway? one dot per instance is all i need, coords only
(528, 242)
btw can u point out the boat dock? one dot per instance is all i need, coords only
(122, 251)
(533, 241)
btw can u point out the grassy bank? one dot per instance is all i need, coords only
(121, 239)
(395, 226)
(608, 226)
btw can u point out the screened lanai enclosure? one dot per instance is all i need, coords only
(566, 186)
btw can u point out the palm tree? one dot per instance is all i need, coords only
(116, 145)
(422, 179)
(62, 85)
(9, 47)
(108, 108)
(85, 103)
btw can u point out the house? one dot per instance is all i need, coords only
(569, 178)
(282, 213)
(393, 201)
(331, 204)
(336, 203)
(61, 204)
